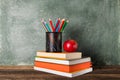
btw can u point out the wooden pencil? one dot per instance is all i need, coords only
(44, 26)
(61, 25)
(51, 24)
(65, 23)
(57, 24)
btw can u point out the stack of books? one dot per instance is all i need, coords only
(64, 64)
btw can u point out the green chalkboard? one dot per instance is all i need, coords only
(94, 24)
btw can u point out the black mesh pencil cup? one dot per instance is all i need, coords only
(53, 41)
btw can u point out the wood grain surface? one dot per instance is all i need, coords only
(27, 73)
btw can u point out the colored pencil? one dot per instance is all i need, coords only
(65, 23)
(57, 28)
(57, 24)
(61, 25)
(48, 27)
(44, 26)
(51, 24)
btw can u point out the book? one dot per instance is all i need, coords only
(64, 62)
(62, 56)
(63, 68)
(74, 74)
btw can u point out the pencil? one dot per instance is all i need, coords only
(51, 24)
(61, 25)
(44, 25)
(65, 23)
(57, 28)
(48, 27)
(57, 24)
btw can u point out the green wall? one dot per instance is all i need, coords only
(93, 23)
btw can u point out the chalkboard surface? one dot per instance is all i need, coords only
(94, 24)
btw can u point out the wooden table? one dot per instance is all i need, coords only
(27, 73)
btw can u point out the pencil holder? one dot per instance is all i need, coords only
(53, 41)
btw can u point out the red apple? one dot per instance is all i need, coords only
(70, 46)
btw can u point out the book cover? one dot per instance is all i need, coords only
(74, 74)
(63, 55)
(65, 62)
(63, 68)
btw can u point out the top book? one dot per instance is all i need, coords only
(60, 55)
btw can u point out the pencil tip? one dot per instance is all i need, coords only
(67, 21)
(42, 20)
(63, 19)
